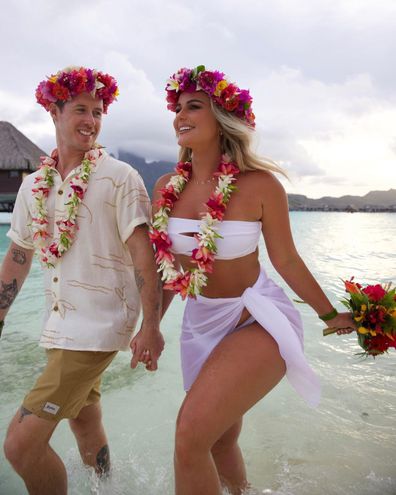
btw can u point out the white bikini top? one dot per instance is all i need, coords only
(238, 238)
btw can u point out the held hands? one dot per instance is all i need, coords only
(147, 347)
(341, 324)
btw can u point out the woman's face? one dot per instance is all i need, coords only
(195, 124)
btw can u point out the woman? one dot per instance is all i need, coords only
(240, 333)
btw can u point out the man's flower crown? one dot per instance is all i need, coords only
(70, 82)
(224, 93)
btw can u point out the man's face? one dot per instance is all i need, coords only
(78, 123)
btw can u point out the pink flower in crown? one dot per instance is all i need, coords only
(204, 258)
(215, 205)
(229, 98)
(183, 76)
(47, 91)
(374, 292)
(208, 80)
(60, 92)
(172, 99)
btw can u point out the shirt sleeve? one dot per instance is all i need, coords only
(20, 231)
(133, 205)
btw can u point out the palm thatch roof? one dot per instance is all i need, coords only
(17, 152)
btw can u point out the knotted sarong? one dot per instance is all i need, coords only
(207, 321)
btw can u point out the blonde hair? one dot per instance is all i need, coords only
(236, 142)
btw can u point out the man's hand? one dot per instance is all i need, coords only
(146, 348)
(148, 343)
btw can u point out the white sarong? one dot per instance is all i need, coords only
(207, 321)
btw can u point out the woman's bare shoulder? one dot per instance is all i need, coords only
(262, 182)
(162, 181)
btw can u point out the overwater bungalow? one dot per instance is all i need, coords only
(18, 157)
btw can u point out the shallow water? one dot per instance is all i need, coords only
(347, 446)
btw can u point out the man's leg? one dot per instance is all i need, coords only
(27, 449)
(91, 438)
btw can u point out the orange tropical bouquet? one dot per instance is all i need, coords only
(374, 311)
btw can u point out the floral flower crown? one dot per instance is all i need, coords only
(70, 82)
(224, 93)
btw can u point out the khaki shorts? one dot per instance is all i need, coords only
(69, 382)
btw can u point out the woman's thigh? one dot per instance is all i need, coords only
(241, 370)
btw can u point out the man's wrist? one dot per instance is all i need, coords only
(151, 325)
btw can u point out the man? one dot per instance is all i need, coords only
(86, 215)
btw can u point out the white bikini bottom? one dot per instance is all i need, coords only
(207, 321)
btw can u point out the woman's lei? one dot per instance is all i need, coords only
(190, 282)
(67, 226)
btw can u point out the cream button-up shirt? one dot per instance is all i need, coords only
(92, 302)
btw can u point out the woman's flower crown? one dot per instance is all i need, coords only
(224, 93)
(70, 82)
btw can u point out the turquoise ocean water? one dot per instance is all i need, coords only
(347, 446)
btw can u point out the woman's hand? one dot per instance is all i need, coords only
(343, 322)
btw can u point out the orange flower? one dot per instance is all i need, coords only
(352, 287)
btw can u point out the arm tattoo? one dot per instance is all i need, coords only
(139, 279)
(103, 461)
(18, 256)
(8, 293)
(24, 412)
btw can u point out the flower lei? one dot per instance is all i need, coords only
(190, 282)
(214, 83)
(49, 254)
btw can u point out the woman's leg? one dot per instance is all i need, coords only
(228, 458)
(241, 370)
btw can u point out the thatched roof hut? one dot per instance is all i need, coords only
(17, 152)
(18, 157)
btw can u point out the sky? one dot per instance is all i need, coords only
(321, 73)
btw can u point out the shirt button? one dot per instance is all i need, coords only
(56, 307)
(55, 279)
(60, 192)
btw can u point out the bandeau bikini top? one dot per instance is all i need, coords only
(238, 238)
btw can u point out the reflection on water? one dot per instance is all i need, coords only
(346, 446)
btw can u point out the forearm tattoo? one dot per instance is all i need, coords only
(18, 256)
(103, 461)
(24, 412)
(8, 293)
(139, 279)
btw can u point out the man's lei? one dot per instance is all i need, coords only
(50, 252)
(191, 282)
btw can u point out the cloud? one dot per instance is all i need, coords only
(320, 74)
